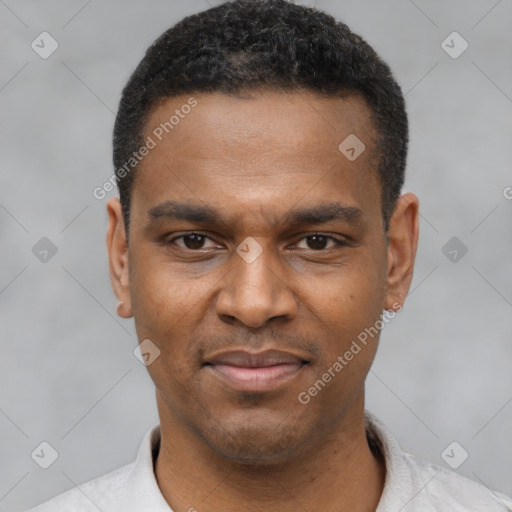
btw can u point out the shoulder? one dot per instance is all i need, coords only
(442, 489)
(131, 487)
(415, 485)
(98, 494)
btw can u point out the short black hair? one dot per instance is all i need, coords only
(267, 45)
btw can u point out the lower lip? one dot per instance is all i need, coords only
(256, 379)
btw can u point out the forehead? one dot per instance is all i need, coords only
(297, 121)
(266, 149)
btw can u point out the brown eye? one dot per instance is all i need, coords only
(318, 242)
(191, 241)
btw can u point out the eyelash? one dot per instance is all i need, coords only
(338, 242)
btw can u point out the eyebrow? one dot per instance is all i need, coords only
(200, 214)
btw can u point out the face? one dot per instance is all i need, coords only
(257, 255)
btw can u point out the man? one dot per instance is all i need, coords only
(260, 243)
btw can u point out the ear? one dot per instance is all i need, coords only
(118, 257)
(402, 244)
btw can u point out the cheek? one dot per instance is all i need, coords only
(348, 309)
(353, 294)
(163, 310)
(159, 294)
(160, 303)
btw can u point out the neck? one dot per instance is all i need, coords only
(340, 474)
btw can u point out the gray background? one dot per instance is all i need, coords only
(69, 376)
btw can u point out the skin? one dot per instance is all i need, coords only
(255, 159)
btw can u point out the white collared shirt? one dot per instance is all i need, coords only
(411, 485)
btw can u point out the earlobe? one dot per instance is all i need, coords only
(120, 310)
(402, 245)
(117, 248)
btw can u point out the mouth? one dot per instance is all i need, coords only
(255, 372)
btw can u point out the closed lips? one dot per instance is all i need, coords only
(244, 359)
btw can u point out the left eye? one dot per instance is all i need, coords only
(318, 242)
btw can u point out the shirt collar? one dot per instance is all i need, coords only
(399, 485)
(143, 492)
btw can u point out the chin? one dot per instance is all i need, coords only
(254, 446)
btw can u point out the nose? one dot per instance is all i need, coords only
(256, 291)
